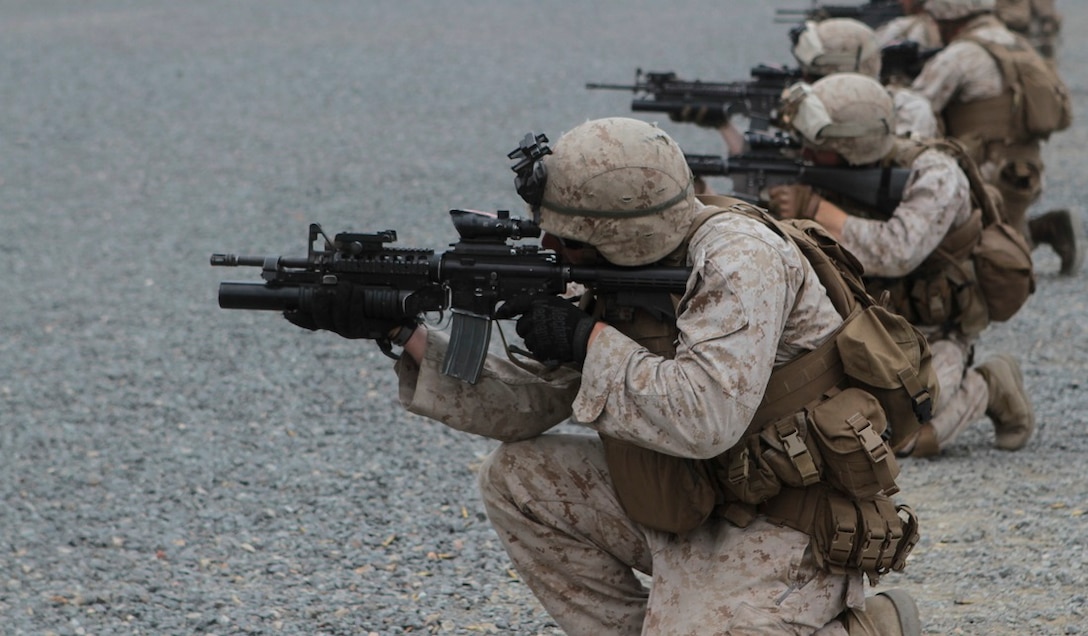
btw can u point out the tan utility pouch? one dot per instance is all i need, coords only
(871, 535)
(1041, 100)
(886, 356)
(931, 300)
(744, 474)
(663, 492)
(782, 453)
(838, 440)
(1000, 260)
(848, 428)
(1003, 270)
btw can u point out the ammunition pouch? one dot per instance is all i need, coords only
(849, 429)
(837, 440)
(872, 535)
(948, 298)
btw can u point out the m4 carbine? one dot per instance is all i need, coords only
(873, 13)
(753, 174)
(757, 98)
(481, 273)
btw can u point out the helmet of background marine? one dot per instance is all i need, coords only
(957, 9)
(836, 45)
(848, 113)
(621, 185)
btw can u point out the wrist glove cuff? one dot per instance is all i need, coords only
(580, 339)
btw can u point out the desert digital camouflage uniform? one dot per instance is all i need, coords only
(1037, 20)
(753, 303)
(848, 115)
(914, 118)
(918, 27)
(964, 72)
(936, 199)
(966, 85)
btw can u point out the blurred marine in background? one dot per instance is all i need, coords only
(997, 96)
(844, 45)
(915, 25)
(920, 253)
(1038, 21)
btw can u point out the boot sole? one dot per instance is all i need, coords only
(1077, 232)
(909, 622)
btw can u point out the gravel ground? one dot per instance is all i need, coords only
(167, 467)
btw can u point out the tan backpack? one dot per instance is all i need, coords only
(1001, 259)
(1040, 98)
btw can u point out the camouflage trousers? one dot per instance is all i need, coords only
(1020, 182)
(551, 501)
(963, 396)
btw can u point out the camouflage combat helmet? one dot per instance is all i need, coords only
(836, 45)
(848, 113)
(621, 185)
(956, 9)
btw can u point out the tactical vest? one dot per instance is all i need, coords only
(980, 272)
(817, 456)
(940, 291)
(1034, 103)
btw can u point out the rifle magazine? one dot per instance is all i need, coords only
(470, 335)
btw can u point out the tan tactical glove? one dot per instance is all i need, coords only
(794, 201)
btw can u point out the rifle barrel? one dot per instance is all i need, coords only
(612, 87)
(279, 262)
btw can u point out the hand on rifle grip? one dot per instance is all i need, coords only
(556, 330)
(794, 201)
(699, 115)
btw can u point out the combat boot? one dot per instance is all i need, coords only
(1062, 231)
(1008, 406)
(890, 613)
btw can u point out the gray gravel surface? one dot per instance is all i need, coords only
(167, 467)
